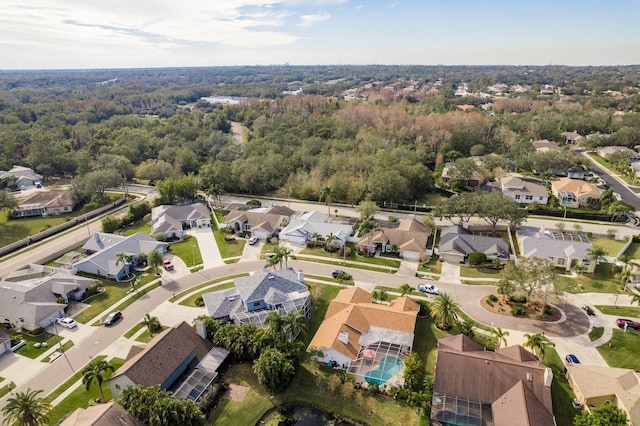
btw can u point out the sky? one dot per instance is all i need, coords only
(69, 34)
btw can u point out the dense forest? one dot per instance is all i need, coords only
(351, 132)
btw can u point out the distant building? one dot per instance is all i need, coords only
(606, 151)
(565, 250)
(52, 202)
(109, 414)
(524, 189)
(24, 176)
(546, 146)
(457, 243)
(574, 192)
(172, 221)
(263, 222)
(572, 137)
(304, 226)
(410, 236)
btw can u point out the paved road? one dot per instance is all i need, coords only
(628, 194)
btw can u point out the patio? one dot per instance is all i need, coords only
(380, 363)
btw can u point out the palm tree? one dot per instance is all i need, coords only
(626, 260)
(466, 328)
(405, 289)
(367, 226)
(328, 239)
(537, 343)
(272, 260)
(276, 324)
(154, 258)
(295, 323)
(121, 257)
(26, 409)
(380, 295)
(93, 372)
(326, 194)
(500, 335)
(505, 288)
(315, 237)
(624, 278)
(596, 254)
(445, 311)
(141, 257)
(635, 298)
(152, 323)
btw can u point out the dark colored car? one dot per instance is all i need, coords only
(620, 322)
(112, 318)
(337, 273)
(589, 311)
(572, 359)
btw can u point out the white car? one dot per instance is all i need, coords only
(253, 240)
(428, 288)
(67, 322)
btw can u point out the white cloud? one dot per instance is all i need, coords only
(309, 20)
(393, 5)
(358, 7)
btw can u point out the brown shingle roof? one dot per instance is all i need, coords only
(163, 355)
(352, 312)
(520, 407)
(578, 187)
(466, 370)
(110, 414)
(50, 198)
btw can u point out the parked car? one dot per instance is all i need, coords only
(589, 311)
(166, 264)
(253, 240)
(620, 322)
(572, 359)
(337, 273)
(67, 322)
(112, 318)
(428, 288)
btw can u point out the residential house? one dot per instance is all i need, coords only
(606, 151)
(574, 192)
(363, 337)
(254, 297)
(572, 137)
(52, 202)
(474, 386)
(172, 221)
(180, 359)
(307, 226)
(457, 243)
(5, 342)
(576, 172)
(635, 166)
(109, 414)
(473, 182)
(564, 249)
(524, 189)
(261, 222)
(24, 176)
(29, 298)
(596, 385)
(545, 145)
(410, 236)
(102, 250)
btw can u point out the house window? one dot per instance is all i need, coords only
(528, 197)
(117, 386)
(541, 198)
(562, 261)
(256, 304)
(517, 196)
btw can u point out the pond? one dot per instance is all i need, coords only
(304, 416)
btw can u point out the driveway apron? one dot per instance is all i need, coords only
(211, 257)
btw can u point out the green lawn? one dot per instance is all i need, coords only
(308, 387)
(432, 199)
(7, 388)
(70, 381)
(377, 260)
(607, 165)
(321, 295)
(29, 350)
(133, 330)
(612, 247)
(561, 393)
(114, 291)
(596, 333)
(328, 279)
(621, 311)
(65, 347)
(232, 248)
(425, 341)
(478, 282)
(480, 272)
(633, 251)
(81, 397)
(339, 263)
(602, 281)
(191, 300)
(622, 350)
(188, 250)
(434, 266)
(147, 336)
(139, 226)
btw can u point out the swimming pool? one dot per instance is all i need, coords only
(387, 368)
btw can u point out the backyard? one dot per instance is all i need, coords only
(611, 246)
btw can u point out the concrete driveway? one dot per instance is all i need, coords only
(208, 248)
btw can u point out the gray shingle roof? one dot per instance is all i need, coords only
(459, 240)
(222, 304)
(544, 245)
(255, 287)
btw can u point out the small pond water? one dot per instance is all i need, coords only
(308, 416)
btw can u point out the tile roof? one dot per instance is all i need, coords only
(163, 355)
(50, 198)
(410, 235)
(352, 312)
(509, 379)
(546, 145)
(576, 186)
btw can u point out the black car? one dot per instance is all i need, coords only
(572, 359)
(588, 310)
(338, 273)
(112, 318)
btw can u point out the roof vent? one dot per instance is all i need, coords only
(231, 299)
(270, 277)
(529, 377)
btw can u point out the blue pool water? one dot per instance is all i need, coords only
(388, 367)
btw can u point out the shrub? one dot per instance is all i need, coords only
(61, 300)
(15, 340)
(199, 301)
(254, 202)
(493, 298)
(425, 258)
(392, 219)
(547, 311)
(518, 299)
(518, 311)
(477, 258)
(489, 302)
